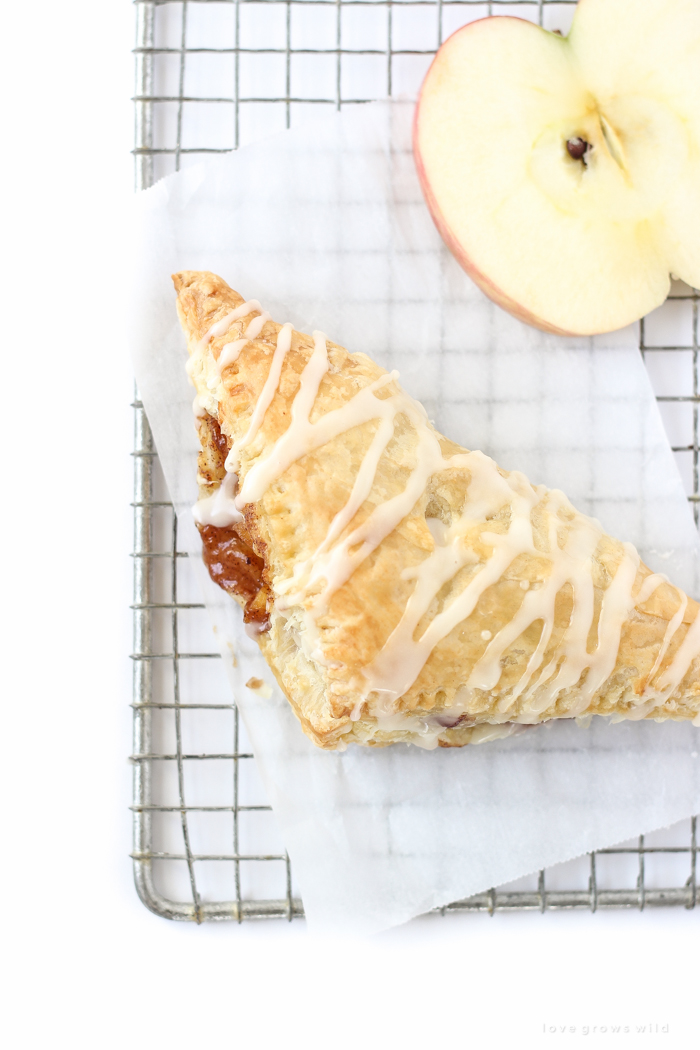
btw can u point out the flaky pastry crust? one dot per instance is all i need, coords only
(321, 662)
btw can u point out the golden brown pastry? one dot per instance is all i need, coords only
(402, 588)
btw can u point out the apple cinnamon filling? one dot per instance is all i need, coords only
(238, 570)
(227, 552)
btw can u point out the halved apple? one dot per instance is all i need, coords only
(564, 172)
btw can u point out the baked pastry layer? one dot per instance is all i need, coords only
(405, 588)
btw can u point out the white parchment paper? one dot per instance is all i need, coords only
(326, 226)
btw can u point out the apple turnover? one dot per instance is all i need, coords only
(402, 588)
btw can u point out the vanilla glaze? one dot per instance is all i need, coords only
(220, 508)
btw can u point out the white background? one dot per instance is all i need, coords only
(85, 964)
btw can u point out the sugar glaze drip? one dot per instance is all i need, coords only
(220, 508)
(230, 352)
(284, 342)
(222, 326)
(396, 667)
(204, 371)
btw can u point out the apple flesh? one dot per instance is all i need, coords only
(564, 172)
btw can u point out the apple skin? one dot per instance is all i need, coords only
(480, 279)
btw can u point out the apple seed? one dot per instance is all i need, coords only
(577, 147)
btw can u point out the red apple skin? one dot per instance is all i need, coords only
(496, 294)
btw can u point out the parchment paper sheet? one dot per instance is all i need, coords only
(326, 226)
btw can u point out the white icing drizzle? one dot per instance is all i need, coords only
(302, 437)
(673, 625)
(336, 564)
(198, 408)
(284, 342)
(677, 669)
(572, 540)
(231, 351)
(651, 584)
(402, 658)
(219, 509)
(203, 371)
(222, 326)
(687, 651)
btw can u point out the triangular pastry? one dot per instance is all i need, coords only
(403, 588)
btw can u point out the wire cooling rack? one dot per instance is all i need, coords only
(212, 75)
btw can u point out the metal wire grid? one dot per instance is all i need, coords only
(172, 31)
